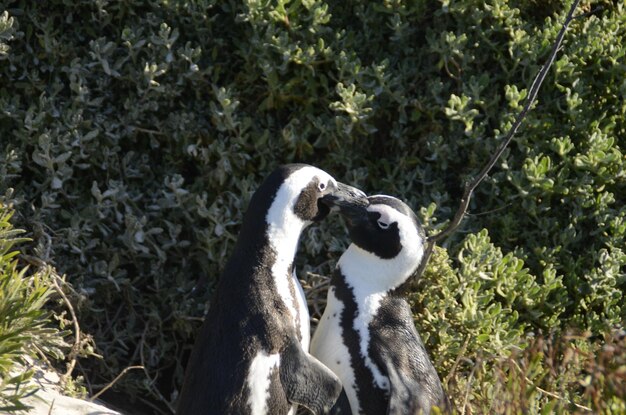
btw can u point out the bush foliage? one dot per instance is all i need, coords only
(133, 134)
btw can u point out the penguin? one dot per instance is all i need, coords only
(366, 334)
(251, 354)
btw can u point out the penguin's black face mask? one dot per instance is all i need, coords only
(369, 232)
(310, 205)
(319, 198)
(377, 233)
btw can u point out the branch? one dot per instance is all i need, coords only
(77, 343)
(118, 377)
(545, 392)
(470, 186)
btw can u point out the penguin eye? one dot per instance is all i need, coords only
(321, 186)
(382, 224)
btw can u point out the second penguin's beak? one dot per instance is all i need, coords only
(345, 197)
(356, 214)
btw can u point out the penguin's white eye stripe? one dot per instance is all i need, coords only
(382, 224)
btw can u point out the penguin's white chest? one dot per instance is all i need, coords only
(258, 381)
(302, 314)
(328, 346)
(286, 283)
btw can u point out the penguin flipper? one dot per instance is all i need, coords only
(306, 381)
(409, 395)
(403, 394)
(342, 406)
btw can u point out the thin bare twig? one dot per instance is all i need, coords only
(76, 347)
(468, 389)
(147, 130)
(470, 186)
(153, 390)
(545, 392)
(459, 357)
(114, 381)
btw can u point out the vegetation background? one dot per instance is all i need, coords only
(133, 133)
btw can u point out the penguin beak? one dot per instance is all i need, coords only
(355, 214)
(345, 197)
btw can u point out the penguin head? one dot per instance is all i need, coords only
(307, 194)
(387, 241)
(321, 194)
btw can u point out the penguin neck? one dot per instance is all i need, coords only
(283, 237)
(283, 230)
(370, 276)
(271, 229)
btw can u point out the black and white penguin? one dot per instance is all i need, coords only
(366, 334)
(251, 354)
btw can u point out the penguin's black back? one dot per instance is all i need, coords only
(396, 344)
(236, 326)
(238, 322)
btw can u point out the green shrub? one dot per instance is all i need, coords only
(483, 326)
(25, 326)
(487, 305)
(135, 132)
